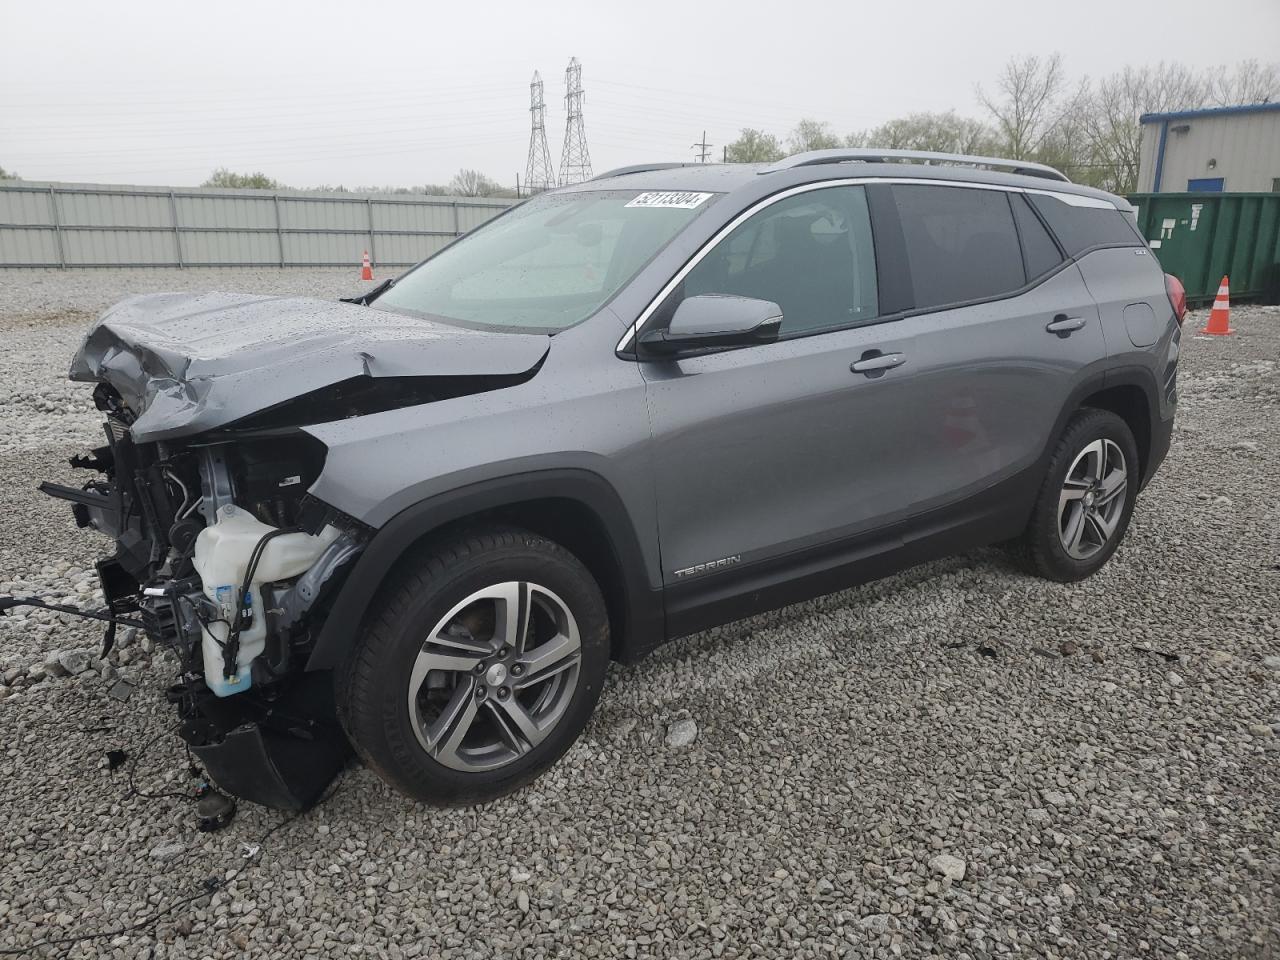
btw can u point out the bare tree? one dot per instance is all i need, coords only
(754, 146)
(812, 135)
(1108, 118)
(472, 183)
(1249, 82)
(939, 132)
(1026, 103)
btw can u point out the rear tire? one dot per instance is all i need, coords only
(1087, 497)
(482, 662)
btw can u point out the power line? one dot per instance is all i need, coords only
(575, 160)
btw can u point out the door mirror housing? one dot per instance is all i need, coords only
(715, 322)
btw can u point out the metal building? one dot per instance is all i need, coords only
(1218, 149)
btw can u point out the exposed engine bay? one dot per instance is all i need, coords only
(221, 552)
(227, 560)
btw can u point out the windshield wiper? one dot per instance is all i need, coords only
(365, 299)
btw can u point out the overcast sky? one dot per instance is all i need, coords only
(407, 93)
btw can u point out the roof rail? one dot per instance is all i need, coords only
(638, 168)
(872, 155)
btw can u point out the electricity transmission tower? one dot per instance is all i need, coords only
(575, 160)
(703, 148)
(538, 173)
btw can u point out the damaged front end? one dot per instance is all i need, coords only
(230, 564)
(203, 484)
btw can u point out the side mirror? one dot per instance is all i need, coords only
(713, 321)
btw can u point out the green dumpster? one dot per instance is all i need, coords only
(1202, 237)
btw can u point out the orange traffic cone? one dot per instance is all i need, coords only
(1219, 324)
(366, 269)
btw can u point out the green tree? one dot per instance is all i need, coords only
(754, 146)
(812, 135)
(222, 177)
(8, 175)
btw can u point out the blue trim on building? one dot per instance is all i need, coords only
(1164, 139)
(1209, 112)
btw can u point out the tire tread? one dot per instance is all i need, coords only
(1040, 547)
(360, 682)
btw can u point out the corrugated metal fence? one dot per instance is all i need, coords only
(84, 225)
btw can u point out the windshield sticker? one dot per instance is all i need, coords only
(669, 200)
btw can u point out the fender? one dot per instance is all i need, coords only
(641, 613)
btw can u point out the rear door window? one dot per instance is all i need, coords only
(1081, 228)
(961, 243)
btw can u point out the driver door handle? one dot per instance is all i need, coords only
(1064, 324)
(883, 361)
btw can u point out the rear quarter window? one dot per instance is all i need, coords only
(1081, 228)
(1038, 249)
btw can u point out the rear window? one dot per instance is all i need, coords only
(1080, 228)
(961, 243)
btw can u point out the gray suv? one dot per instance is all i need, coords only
(422, 522)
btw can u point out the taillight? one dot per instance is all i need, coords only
(1177, 296)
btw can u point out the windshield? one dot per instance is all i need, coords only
(549, 263)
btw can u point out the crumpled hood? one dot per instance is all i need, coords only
(185, 363)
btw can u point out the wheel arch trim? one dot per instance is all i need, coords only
(641, 603)
(1099, 381)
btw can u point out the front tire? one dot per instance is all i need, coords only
(482, 663)
(1086, 499)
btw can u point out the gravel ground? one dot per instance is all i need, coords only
(960, 759)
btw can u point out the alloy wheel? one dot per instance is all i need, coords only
(494, 676)
(1092, 499)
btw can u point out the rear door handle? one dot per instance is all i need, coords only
(883, 361)
(1064, 324)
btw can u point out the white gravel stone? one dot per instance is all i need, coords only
(876, 923)
(167, 850)
(953, 868)
(75, 661)
(682, 733)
